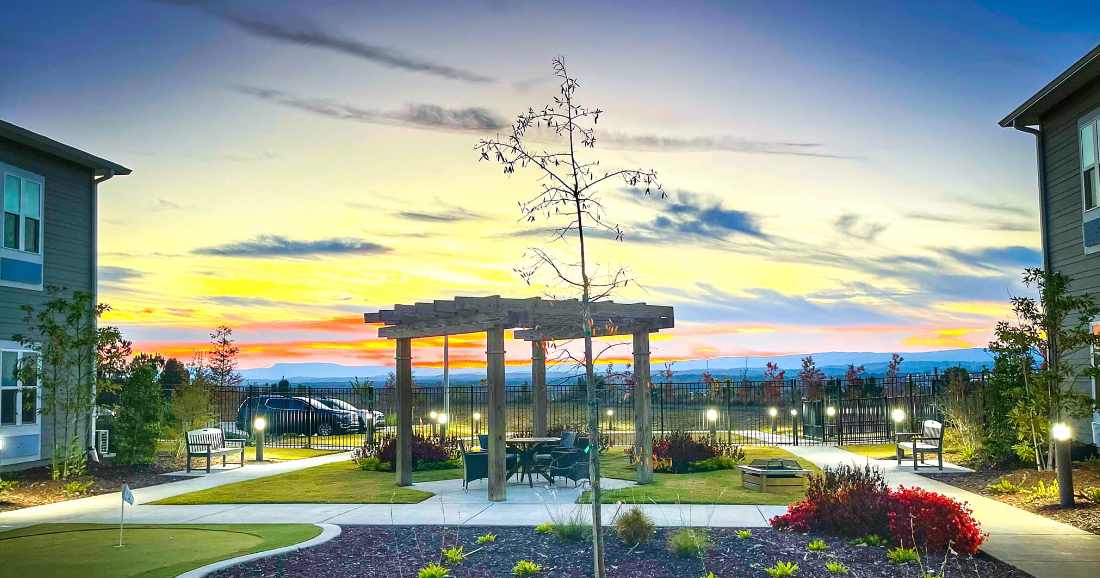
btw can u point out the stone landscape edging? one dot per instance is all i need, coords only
(328, 532)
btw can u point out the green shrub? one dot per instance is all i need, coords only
(835, 567)
(571, 527)
(817, 546)
(744, 534)
(1091, 495)
(453, 555)
(450, 464)
(372, 464)
(1042, 491)
(433, 570)
(525, 569)
(689, 542)
(77, 488)
(141, 414)
(7, 486)
(782, 569)
(709, 575)
(634, 527)
(544, 528)
(903, 555)
(487, 538)
(712, 464)
(1005, 486)
(873, 540)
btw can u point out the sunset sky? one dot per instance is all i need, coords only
(836, 177)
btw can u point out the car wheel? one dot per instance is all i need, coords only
(325, 429)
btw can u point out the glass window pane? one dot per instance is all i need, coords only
(29, 413)
(32, 194)
(7, 406)
(11, 193)
(11, 231)
(1088, 145)
(1090, 188)
(8, 362)
(30, 236)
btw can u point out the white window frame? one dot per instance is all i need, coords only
(19, 428)
(20, 254)
(1088, 215)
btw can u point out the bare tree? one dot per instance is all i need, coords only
(569, 196)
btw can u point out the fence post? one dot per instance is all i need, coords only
(251, 402)
(729, 415)
(839, 418)
(912, 404)
(797, 416)
(309, 397)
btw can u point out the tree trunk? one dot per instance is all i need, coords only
(594, 446)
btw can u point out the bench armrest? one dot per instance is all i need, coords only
(905, 436)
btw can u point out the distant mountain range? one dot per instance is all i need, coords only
(832, 363)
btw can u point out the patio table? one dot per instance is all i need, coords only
(526, 448)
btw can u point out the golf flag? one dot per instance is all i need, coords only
(127, 495)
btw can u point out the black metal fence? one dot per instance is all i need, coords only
(831, 411)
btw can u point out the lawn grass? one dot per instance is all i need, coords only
(888, 451)
(150, 551)
(270, 453)
(720, 487)
(335, 483)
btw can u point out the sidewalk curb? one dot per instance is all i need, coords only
(328, 532)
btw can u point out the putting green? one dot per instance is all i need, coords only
(56, 550)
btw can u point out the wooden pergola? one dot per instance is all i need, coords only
(537, 321)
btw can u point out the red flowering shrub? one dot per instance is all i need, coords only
(855, 502)
(424, 451)
(936, 522)
(681, 446)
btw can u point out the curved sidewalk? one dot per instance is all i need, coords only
(1036, 544)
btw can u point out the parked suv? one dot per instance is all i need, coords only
(365, 415)
(300, 415)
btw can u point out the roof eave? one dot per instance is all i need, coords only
(100, 166)
(1080, 73)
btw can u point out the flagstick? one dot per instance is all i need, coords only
(121, 517)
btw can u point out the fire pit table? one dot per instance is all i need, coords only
(773, 475)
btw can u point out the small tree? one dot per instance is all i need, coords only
(223, 358)
(191, 405)
(282, 386)
(773, 380)
(569, 190)
(62, 335)
(811, 377)
(1057, 327)
(173, 375)
(141, 413)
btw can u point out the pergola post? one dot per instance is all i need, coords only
(643, 408)
(538, 384)
(404, 411)
(494, 354)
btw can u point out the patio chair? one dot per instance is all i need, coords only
(929, 440)
(475, 465)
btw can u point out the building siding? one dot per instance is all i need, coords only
(68, 245)
(1063, 203)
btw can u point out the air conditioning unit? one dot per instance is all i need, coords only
(102, 442)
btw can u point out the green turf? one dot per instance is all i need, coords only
(149, 551)
(721, 487)
(888, 451)
(335, 483)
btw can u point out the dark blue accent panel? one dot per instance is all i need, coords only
(1092, 232)
(21, 446)
(21, 271)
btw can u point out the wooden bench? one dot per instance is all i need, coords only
(929, 440)
(209, 443)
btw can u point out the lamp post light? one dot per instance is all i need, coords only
(712, 421)
(259, 426)
(830, 411)
(1063, 463)
(442, 419)
(477, 423)
(434, 415)
(774, 413)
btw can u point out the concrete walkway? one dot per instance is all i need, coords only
(1033, 543)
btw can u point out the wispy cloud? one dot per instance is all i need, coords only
(998, 258)
(697, 216)
(263, 246)
(303, 33)
(621, 141)
(427, 116)
(445, 215)
(858, 227)
(114, 274)
(162, 205)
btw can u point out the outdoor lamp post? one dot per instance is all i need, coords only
(477, 423)
(259, 425)
(1063, 464)
(830, 411)
(442, 426)
(712, 420)
(774, 413)
(434, 415)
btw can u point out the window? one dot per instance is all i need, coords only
(22, 225)
(18, 401)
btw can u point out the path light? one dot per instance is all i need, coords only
(477, 423)
(830, 411)
(259, 424)
(433, 414)
(898, 415)
(773, 412)
(1063, 464)
(610, 412)
(442, 418)
(794, 412)
(712, 414)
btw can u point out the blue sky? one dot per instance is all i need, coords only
(837, 179)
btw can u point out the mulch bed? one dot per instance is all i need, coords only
(402, 550)
(1084, 515)
(36, 488)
